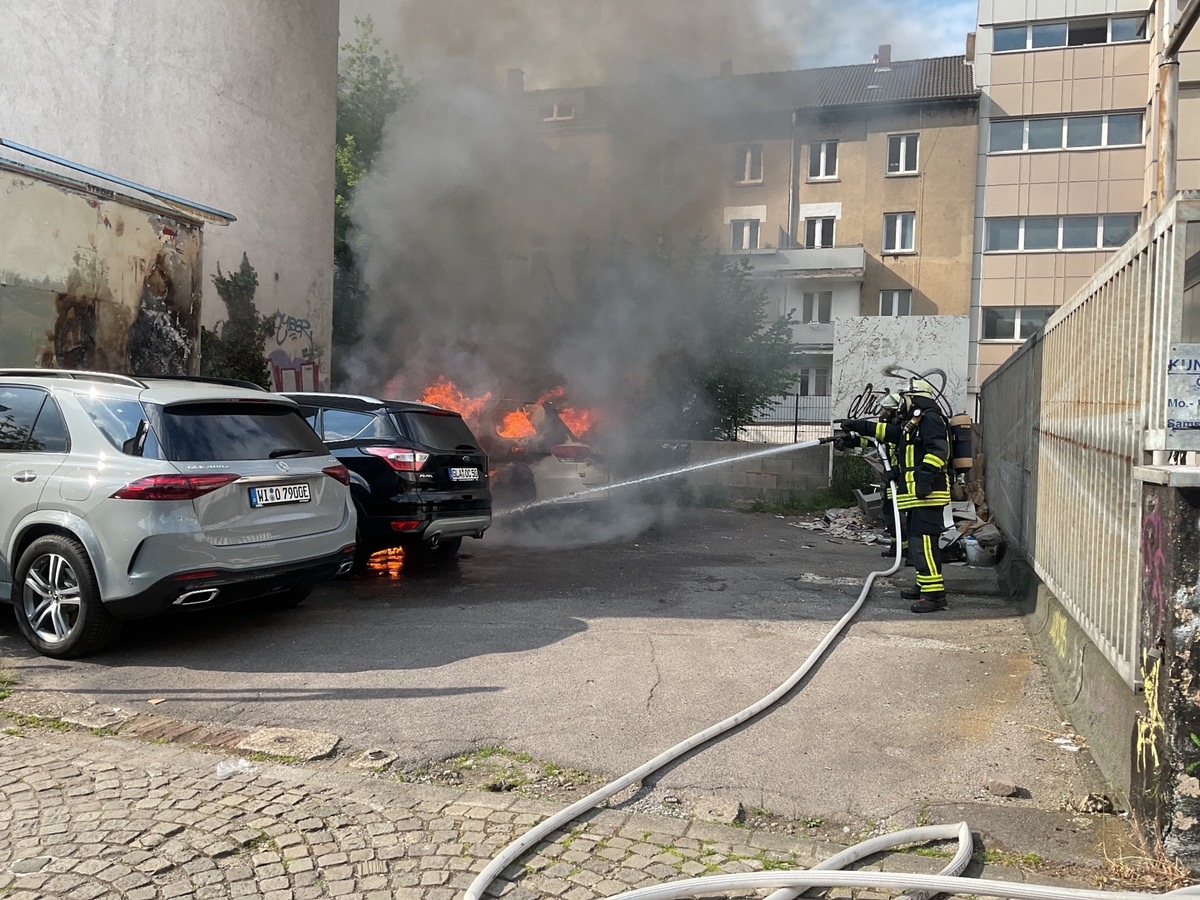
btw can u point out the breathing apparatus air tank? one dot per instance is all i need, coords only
(961, 455)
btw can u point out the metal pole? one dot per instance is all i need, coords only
(796, 421)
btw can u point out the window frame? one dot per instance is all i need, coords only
(751, 234)
(745, 155)
(812, 303)
(557, 114)
(810, 380)
(898, 233)
(1108, 18)
(903, 137)
(1017, 311)
(1100, 246)
(895, 295)
(819, 227)
(823, 156)
(1065, 138)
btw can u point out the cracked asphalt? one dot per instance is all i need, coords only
(594, 654)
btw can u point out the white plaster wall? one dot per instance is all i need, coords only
(229, 103)
(867, 346)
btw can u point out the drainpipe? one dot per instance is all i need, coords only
(1168, 98)
(792, 188)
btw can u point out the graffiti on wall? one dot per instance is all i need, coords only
(1150, 725)
(302, 371)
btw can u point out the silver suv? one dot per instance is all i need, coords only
(125, 497)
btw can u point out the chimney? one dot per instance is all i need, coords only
(883, 58)
(516, 82)
(971, 47)
(727, 68)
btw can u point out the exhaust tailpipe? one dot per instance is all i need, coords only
(198, 597)
(344, 568)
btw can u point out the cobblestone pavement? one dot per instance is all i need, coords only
(85, 816)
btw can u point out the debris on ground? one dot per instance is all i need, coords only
(850, 524)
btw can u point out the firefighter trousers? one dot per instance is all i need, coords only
(925, 527)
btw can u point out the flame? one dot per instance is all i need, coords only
(516, 427)
(579, 420)
(446, 394)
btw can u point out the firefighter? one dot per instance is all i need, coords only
(923, 492)
(889, 412)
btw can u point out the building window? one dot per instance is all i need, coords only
(902, 154)
(898, 231)
(895, 303)
(813, 382)
(1013, 323)
(743, 234)
(1010, 234)
(822, 160)
(1071, 33)
(1065, 132)
(747, 164)
(819, 232)
(557, 111)
(817, 307)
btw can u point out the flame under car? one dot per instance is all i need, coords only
(536, 457)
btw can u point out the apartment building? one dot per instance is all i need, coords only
(1067, 155)
(849, 188)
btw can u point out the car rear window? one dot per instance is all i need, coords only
(241, 430)
(439, 431)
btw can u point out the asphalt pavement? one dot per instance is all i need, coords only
(593, 646)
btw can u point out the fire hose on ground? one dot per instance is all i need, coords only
(791, 884)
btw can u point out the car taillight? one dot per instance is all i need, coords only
(338, 473)
(173, 487)
(572, 452)
(400, 458)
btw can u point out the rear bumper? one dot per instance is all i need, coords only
(224, 586)
(378, 531)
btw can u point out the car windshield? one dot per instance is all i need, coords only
(241, 430)
(436, 430)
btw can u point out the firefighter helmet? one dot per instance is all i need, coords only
(919, 387)
(890, 400)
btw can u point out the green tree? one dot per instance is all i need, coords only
(740, 363)
(371, 86)
(237, 347)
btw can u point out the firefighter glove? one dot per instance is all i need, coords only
(847, 442)
(924, 480)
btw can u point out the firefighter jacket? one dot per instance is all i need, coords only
(922, 450)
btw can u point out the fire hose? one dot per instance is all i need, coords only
(826, 874)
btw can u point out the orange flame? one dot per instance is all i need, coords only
(516, 427)
(580, 421)
(445, 393)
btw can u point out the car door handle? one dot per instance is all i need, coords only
(25, 477)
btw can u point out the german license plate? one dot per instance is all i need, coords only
(279, 493)
(464, 474)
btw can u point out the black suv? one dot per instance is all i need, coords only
(418, 476)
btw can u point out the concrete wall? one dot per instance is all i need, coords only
(771, 477)
(89, 283)
(229, 103)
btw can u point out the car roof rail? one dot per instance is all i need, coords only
(209, 379)
(362, 397)
(75, 374)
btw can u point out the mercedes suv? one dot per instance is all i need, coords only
(124, 497)
(418, 476)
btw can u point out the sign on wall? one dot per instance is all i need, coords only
(874, 354)
(1183, 388)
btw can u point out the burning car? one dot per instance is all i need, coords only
(536, 456)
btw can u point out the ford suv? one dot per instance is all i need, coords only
(418, 476)
(124, 497)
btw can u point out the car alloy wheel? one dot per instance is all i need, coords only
(58, 606)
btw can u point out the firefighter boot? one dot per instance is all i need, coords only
(929, 603)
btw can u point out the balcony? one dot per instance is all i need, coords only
(837, 263)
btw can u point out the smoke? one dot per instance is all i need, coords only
(511, 259)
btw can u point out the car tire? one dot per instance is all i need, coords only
(289, 598)
(446, 550)
(57, 601)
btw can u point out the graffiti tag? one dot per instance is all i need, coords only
(1150, 725)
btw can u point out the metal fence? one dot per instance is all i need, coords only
(791, 418)
(1071, 415)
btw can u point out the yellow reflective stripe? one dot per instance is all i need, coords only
(880, 431)
(936, 461)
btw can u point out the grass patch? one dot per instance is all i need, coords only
(7, 679)
(1016, 860)
(24, 721)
